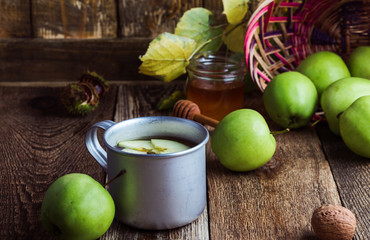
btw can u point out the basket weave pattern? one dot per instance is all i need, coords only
(281, 34)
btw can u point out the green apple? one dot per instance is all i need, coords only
(153, 146)
(290, 99)
(354, 125)
(339, 95)
(76, 206)
(242, 141)
(323, 68)
(359, 62)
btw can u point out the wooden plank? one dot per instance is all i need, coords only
(137, 101)
(65, 60)
(39, 143)
(195, 230)
(277, 200)
(143, 18)
(15, 19)
(352, 176)
(74, 19)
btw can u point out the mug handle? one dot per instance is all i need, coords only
(93, 145)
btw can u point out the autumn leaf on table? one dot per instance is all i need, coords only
(198, 24)
(167, 57)
(235, 10)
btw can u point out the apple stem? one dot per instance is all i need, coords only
(280, 132)
(316, 122)
(123, 171)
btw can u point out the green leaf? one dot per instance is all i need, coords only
(197, 23)
(235, 10)
(167, 57)
(234, 40)
(169, 101)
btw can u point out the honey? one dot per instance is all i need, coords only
(216, 99)
(216, 84)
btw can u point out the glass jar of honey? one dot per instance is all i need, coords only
(216, 84)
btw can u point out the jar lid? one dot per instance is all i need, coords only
(216, 66)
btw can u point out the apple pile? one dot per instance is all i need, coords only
(344, 94)
(242, 140)
(342, 90)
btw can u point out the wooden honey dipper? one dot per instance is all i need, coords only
(188, 109)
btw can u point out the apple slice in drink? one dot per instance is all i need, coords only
(129, 150)
(137, 146)
(168, 146)
(153, 146)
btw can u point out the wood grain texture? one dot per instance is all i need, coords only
(149, 18)
(74, 18)
(39, 143)
(311, 167)
(15, 19)
(277, 200)
(65, 60)
(352, 176)
(195, 230)
(136, 100)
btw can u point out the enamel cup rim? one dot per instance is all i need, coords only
(153, 119)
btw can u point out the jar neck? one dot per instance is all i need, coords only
(215, 66)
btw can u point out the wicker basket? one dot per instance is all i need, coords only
(281, 34)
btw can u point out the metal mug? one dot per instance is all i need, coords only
(158, 191)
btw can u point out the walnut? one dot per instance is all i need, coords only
(333, 222)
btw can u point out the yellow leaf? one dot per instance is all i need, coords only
(235, 39)
(167, 56)
(235, 10)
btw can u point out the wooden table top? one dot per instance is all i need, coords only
(311, 167)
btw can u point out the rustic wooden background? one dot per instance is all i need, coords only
(56, 40)
(48, 43)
